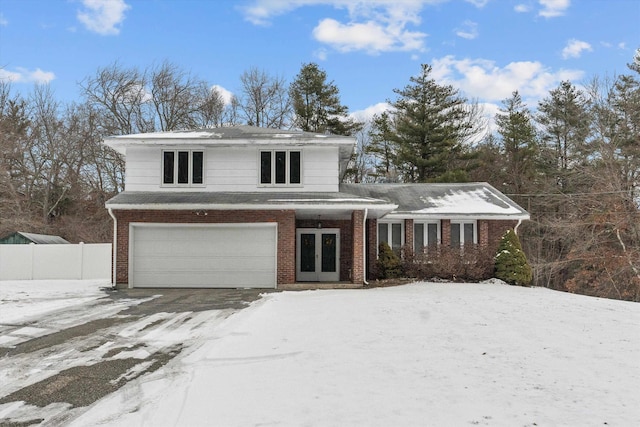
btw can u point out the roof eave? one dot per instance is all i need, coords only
(459, 216)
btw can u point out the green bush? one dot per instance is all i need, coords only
(389, 265)
(511, 263)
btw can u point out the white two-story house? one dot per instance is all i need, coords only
(255, 207)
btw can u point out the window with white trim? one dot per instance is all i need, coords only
(182, 167)
(425, 234)
(280, 167)
(463, 232)
(392, 234)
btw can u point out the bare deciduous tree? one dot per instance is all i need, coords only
(264, 101)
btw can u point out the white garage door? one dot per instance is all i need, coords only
(203, 256)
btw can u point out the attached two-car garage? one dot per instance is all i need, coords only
(240, 255)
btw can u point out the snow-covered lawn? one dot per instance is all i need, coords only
(414, 355)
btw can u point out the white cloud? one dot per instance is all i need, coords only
(373, 26)
(574, 49)
(370, 36)
(478, 3)
(368, 113)
(3, 21)
(483, 79)
(321, 54)
(468, 30)
(103, 16)
(22, 75)
(553, 8)
(226, 94)
(522, 8)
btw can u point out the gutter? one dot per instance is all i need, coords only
(515, 229)
(114, 249)
(364, 247)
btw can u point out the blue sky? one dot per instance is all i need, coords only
(486, 48)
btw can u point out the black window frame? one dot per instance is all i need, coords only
(280, 168)
(186, 168)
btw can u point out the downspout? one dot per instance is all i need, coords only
(515, 229)
(114, 249)
(364, 244)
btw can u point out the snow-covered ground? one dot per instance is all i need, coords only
(419, 354)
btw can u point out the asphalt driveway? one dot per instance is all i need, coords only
(132, 332)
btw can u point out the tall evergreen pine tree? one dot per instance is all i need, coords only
(431, 123)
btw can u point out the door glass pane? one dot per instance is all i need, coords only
(183, 167)
(281, 171)
(328, 252)
(308, 252)
(167, 175)
(432, 234)
(294, 167)
(455, 234)
(396, 236)
(265, 167)
(468, 233)
(418, 237)
(383, 235)
(197, 167)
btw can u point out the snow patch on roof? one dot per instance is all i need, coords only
(475, 201)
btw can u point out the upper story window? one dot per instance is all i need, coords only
(391, 233)
(280, 167)
(182, 167)
(463, 232)
(425, 235)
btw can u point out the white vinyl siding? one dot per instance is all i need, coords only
(203, 255)
(233, 169)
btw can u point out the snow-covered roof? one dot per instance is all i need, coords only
(477, 200)
(227, 136)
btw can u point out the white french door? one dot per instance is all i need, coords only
(318, 254)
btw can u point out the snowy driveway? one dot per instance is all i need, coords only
(65, 345)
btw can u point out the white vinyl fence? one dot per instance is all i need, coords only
(41, 262)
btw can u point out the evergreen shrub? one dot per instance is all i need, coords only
(389, 265)
(511, 263)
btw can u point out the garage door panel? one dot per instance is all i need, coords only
(204, 280)
(195, 264)
(237, 255)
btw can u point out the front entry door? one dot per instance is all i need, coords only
(318, 254)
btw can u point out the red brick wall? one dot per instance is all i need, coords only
(489, 234)
(286, 233)
(357, 272)
(372, 249)
(495, 231)
(445, 232)
(408, 233)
